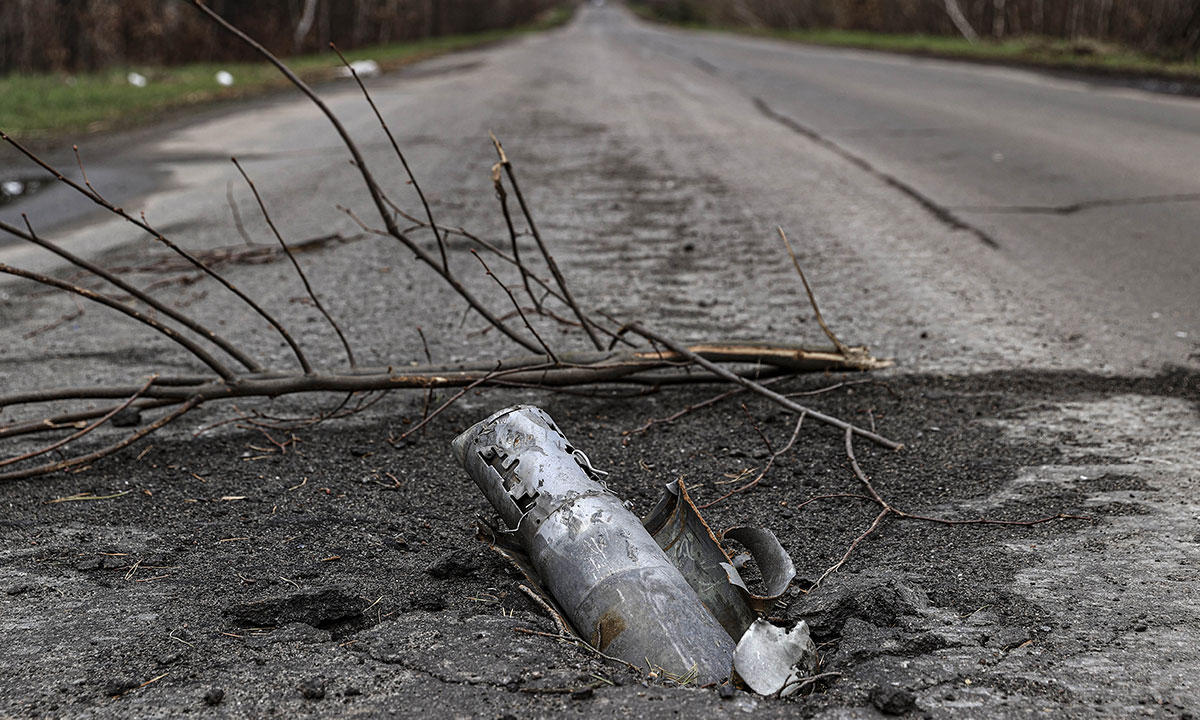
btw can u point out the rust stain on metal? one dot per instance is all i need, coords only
(611, 625)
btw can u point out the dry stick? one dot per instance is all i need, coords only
(237, 214)
(303, 278)
(578, 368)
(537, 599)
(526, 273)
(766, 469)
(62, 320)
(549, 352)
(104, 452)
(537, 236)
(425, 421)
(396, 146)
(762, 436)
(73, 420)
(812, 299)
(200, 353)
(758, 388)
(887, 509)
(149, 300)
(108, 416)
(579, 644)
(368, 177)
(162, 239)
(502, 196)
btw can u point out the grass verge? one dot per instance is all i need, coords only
(49, 106)
(1043, 52)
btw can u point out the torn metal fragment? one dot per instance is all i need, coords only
(771, 659)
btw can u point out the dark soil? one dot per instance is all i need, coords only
(343, 577)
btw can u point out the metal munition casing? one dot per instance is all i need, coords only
(591, 553)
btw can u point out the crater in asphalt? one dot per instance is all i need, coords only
(250, 570)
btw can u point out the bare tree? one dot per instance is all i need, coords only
(960, 21)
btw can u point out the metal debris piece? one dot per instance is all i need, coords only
(663, 593)
(771, 659)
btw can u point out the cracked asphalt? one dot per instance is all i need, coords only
(1022, 245)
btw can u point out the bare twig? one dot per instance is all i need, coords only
(537, 236)
(549, 352)
(759, 389)
(106, 451)
(373, 187)
(149, 300)
(887, 509)
(766, 468)
(396, 146)
(811, 298)
(141, 223)
(579, 644)
(200, 353)
(64, 441)
(299, 271)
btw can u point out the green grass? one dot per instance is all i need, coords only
(49, 106)
(1083, 55)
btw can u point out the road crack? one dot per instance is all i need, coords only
(941, 212)
(1077, 207)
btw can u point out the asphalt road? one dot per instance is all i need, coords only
(1038, 371)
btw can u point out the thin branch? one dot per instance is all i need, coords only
(537, 236)
(368, 178)
(299, 271)
(516, 305)
(105, 418)
(766, 469)
(811, 298)
(396, 146)
(502, 196)
(156, 234)
(144, 297)
(759, 389)
(106, 451)
(200, 353)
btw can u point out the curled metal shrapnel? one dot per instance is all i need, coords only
(660, 592)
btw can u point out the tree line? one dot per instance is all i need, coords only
(80, 35)
(1168, 28)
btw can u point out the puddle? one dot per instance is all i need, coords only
(14, 189)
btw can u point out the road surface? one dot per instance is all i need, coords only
(1022, 245)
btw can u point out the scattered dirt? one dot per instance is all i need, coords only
(345, 573)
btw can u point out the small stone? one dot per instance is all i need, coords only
(214, 696)
(430, 601)
(313, 689)
(726, 691)
(352, 692)
(119, 686)
(892, 701)
(452, 565)
(585, 693)
(90, 564)
(168, 658)
(129, 417)
(18, 589)
(1141, 627)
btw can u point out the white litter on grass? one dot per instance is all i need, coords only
(12, 188)
(224, 78)
(363, 68)
(136, 79)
